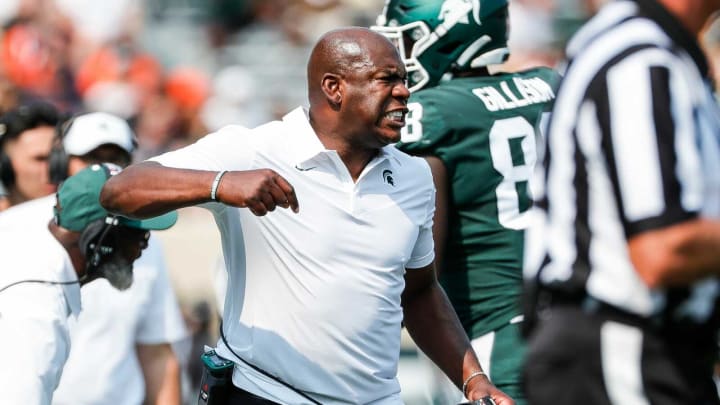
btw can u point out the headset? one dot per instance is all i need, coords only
(59, 161)
(93, 248)
(39, 282)
(15, 122)
(7, 173)
(7, 131)
(92, 242)
(92, 238)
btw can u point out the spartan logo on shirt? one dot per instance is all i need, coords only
(388, 178)
(457, 10)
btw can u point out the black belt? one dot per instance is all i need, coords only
(547, 301)
(684, 329)
(238, 396)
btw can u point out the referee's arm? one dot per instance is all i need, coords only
(678, 254)
(651, 142)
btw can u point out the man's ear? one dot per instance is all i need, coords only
(332, 88)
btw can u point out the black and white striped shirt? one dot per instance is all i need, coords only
(633, 145)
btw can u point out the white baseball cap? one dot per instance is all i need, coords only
(88, 131)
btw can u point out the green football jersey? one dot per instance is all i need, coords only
(484, 130)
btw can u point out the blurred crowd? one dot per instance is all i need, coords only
(174, 69)
(177, 69)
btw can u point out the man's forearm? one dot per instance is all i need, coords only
(148, 189)
(435, 328)
(161, 370)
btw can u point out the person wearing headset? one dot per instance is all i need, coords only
(130, 356)
(26, 134)
(41, 279)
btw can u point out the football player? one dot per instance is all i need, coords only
(478, 132)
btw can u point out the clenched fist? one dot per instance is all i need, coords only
(259, 190)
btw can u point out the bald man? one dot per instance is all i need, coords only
(313, 308)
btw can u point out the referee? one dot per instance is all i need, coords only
(625, 300)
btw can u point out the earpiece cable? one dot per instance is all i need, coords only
(40, 282)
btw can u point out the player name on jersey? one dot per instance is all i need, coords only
(532, 90)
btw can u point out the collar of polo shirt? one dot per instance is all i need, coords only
(308, 148)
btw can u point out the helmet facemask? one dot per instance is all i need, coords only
(439, 38)
(410, 39)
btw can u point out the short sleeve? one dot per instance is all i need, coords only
(230, 148)
(424, 251)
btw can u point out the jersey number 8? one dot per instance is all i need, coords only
(509, 198)
(512, 201)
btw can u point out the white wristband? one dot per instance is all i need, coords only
(215, 184)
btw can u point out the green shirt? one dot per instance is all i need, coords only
(484, 130)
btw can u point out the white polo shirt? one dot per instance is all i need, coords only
(314, 297)
(105, 334)
(34, 338)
